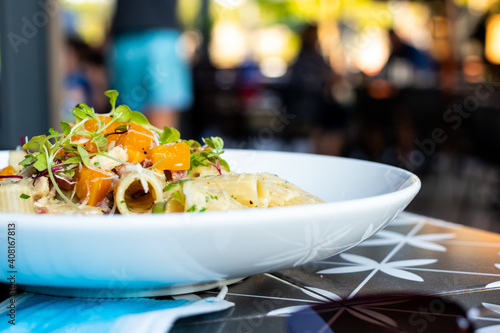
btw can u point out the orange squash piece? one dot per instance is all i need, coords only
(7, 171)
(89, 146)
(138, 142)
(93, 185)
(91, 125)
(171, 156)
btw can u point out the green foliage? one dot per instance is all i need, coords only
(169, 135)
(60, 153)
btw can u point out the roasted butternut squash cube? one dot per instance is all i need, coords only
(91, 125)
(171, 156)
(138, 142)
(93, 185)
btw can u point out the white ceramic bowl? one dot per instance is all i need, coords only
(147, 255)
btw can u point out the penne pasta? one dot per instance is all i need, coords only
(137, 192)
(304, 199)
(66, 209)
(294, 194)
(200, 197)
(248, 189)
(16, 198)
(16, 156)
(280, 196)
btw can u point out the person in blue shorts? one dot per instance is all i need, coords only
(145, 61)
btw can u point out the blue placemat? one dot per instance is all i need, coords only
(30, 312)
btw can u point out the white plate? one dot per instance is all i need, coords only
(147, 255)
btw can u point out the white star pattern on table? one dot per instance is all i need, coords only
(394, 268)
(494, 284)
(490, 329)
(361, 311)
(386, 237)
(320, 295)
(434, 239)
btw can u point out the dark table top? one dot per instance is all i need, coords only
(414, 254)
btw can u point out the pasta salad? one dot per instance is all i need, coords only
(119, 163)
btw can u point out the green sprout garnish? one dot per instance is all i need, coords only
(179, 197)
(193, 208)
(49, 154)
(59, 154)
(160, 207)
(169, 135)
(208, 156)
(209, 196)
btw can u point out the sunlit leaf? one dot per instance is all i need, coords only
(65, 127)
(35, 142)
(113, 95)
(84, 155)
(169, 135)
(122, 113)
(139, 118)
(41, 162)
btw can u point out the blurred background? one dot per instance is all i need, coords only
(415, 84)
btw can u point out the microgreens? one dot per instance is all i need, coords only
(139, 118)
(179, 197)
(208, 156)
(112, 95)
(176, 190)
(169, 135)
(170, 186)
(209, 196)
(11, 176)
(214, 142)
(66, 128)
(160, 207)
(60, 154)
(122, 114)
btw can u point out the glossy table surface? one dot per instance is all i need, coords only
(412, 255)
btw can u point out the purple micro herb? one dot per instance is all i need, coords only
(45, 172)
(11, 176)
(64, 177)
(217, 166)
